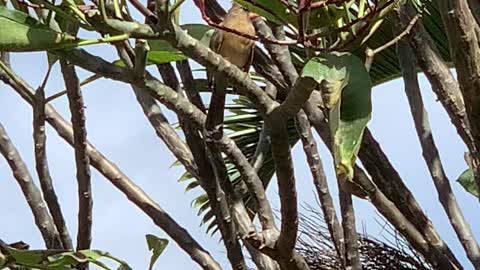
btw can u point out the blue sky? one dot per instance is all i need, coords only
(117, 127)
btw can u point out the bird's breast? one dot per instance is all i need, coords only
(236, 49)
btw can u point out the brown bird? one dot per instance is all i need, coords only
(236, 49)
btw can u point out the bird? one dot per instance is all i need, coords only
(236, 49)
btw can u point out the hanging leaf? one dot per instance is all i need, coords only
(347, 94)
(20, 32)
(156, 246)
(467, 180)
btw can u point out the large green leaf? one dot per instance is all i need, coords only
(162, 52)
(467, 180)
(54, 259)
(347, 94)
(20, 32)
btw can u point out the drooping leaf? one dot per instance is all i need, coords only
(347, 94)
(156, 246)
(20, 32)
(467, 180)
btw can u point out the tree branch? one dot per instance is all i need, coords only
(320, 182)
(212, 184)
(41, 165)
(43, 220)
(352, 257)
(112, 173)
(437, 72)
(431, 156)
(276, 122)
(72, 84)
(465, 52)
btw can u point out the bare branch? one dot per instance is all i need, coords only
(437, 72)
(431, 156)
(212, 184)
(276, 122)
(72, 84)
(370, 53)
(112, 173)
(352, 257)
(262, 261)
(461, 28)
(43, 220)
(320, 182)
(41, 165)
(389, 182)
(188, 84)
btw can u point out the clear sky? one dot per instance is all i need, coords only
(117, 127)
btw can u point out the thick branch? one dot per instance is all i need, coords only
(216, 175)
(352, 257)
(43, 220)
(72, 84)
(277, 124)
(320, 181)
(41, 165)
(432, 158)
(438, 74)
(465, 52)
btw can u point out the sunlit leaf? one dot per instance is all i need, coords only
(467, 180)
(20, 32)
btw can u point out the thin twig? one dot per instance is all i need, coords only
(370, 53)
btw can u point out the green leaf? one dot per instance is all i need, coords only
(199, 201)
(326, 16)
(467, 180)
(272, 10)
(185, 177)
(156, 246)
(57, 259)
(20, 32)
(347, 93)
(162, 52)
